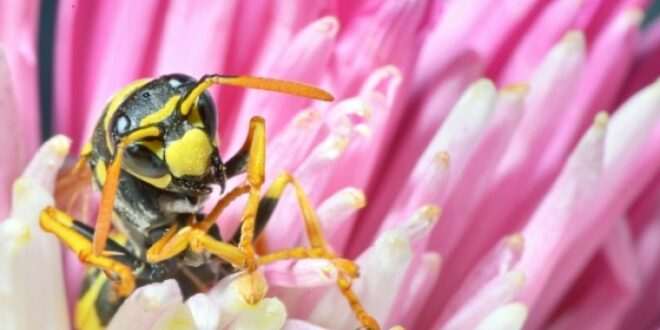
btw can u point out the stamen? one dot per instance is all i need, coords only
(338, 207)
(421, 221)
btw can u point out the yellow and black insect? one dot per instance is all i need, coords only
(154, 155)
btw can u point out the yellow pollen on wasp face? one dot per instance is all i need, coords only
(189, 155)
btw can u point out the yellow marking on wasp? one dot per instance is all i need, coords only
(100, 171)
(195, 118)
(115, 102)
(156, 147)
(142, 133)
(86, 150)
(189, 155)
(86, 314)
(160, 182)
(162, 113)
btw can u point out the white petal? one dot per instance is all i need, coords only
(632, 122)
(31, 278)
(269, 313)
(177, 318)
(507, 317)
(147, 305)
(466, 121)
(205, 311)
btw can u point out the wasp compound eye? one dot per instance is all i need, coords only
(141, 160)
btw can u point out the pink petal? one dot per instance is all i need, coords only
(495, 37)
(384, 32)
(416, 289)
(644, 309)
(645, 68)
(18, 34)
(614, 277)
(380, 92)
(491, 284)
(86, 77)
(290, 146)
(417, 129)
(14, 156)
(552, 87)
(194, 41)
(605, 69)
(307, 53)
(546, 31)
(480, 155)
(458, 20)
(300, 325)
(546, 232)
(628, 167)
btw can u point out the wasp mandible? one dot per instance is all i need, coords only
(154, 156)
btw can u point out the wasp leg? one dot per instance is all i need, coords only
(220, 206)
(103, 221)
(319, 247)
(174, 242)
(198, 240)
(77, 239)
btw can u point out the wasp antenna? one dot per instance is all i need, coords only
(275, 85)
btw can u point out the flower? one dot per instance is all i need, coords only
(488, 165)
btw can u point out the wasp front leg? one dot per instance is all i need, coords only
(77, 238)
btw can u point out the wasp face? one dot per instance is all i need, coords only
(184, 157)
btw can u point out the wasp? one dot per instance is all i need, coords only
(154, 156)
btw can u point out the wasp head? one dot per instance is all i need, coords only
(182, 157)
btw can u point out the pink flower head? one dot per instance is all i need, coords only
(487, 165)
